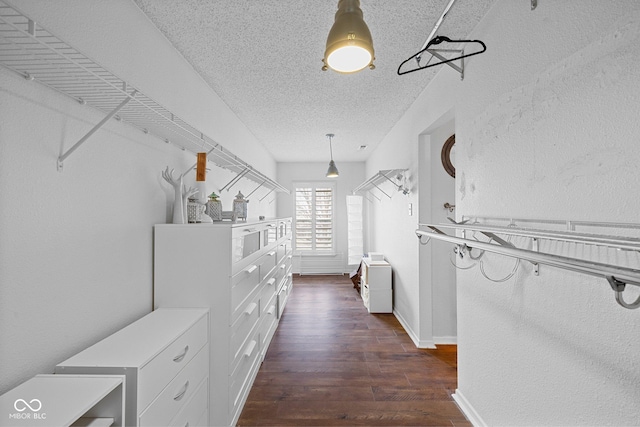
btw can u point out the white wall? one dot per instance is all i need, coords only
(547, 128)
(436, 271)
(351, 175)
(76, 247)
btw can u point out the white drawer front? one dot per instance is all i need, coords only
(269, 322)
(243, 285)
(269, 289)
(178, 392)
(246, 365)
(192, 413)
(156, 374)
(242, 327)
(267, 263)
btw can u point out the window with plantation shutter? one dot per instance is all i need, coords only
(314, 212)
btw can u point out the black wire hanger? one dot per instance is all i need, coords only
(435, 41)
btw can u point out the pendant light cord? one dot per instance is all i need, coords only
(330, 135)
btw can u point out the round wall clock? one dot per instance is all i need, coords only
(446, 155)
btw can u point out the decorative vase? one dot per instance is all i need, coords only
(194, 211)
(214, 208)
(240, 207)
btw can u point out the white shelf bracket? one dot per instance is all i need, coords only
(265, 196)
(109, 116)
(235, 180)
(256, 189)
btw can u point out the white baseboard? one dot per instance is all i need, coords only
(446, 340)
(412, 334)
(468, 410)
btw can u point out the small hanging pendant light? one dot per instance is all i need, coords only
(332, 172)
(349, 43)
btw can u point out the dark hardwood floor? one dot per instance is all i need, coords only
(331, 363)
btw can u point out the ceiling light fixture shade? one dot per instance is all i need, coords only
(332, 172)
(349, 44)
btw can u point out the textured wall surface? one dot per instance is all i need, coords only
(76, 248)
(546, 128)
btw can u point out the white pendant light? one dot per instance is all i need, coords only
(332, 172)
(349, 43)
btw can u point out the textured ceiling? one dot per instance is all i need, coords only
(264, 60)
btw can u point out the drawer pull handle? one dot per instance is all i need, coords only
(271, 281)
(182, 392)
(271, 310)
(181, 356)
(250, 309)
(251, 269)
(272, 253)
(290, 256)
(250, 348)
(283, 266)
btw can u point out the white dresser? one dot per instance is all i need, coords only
(375, 287)
(242, 273)
(165, 359)
(63, 400)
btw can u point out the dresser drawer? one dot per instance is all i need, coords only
(178, 392)
(243, 285)
(194, 413)
(269, 322)
(267, 263)
(243, 326)
(268, 290)
(155, 375)
(281, 251)
(241, 373)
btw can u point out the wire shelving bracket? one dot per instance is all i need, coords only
(395, 176)
(34, 53)
(617, 276)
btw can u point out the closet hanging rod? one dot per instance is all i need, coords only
(629, 243)
(617, 277)
(436, 27)
(36, 54)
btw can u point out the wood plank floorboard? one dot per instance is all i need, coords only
(331, 363)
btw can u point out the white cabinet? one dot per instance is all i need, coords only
(240, 272)
(63, 400)
(375, 289)
(165, 358)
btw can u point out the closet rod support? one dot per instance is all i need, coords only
(265, 196)
(235, 180)
(109, 116)
(383, 192)
(255, 189)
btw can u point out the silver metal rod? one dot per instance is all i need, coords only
(256, 189)
(95, 128)
(391, 181)
(629, 243)
(270, 191)
(381, 190)
(438, 23)
(234, 180)
(442, 58)
(627, 275)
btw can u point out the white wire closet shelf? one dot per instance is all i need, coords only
(617, 276)
(395, 176)
(36, 54)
